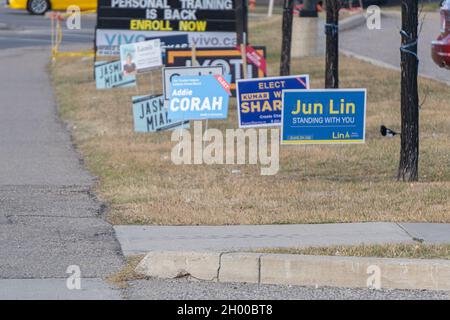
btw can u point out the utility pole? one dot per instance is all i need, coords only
(285, 62)
(409, 152)
(332, 47)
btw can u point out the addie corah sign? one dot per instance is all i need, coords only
(323, 116)
(229, 59)
(199, 97)
(169, 73)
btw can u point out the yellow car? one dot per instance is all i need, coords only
(42, 6)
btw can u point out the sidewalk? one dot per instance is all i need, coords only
(49, 218)
(142, 239)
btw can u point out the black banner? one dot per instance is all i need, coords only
(173, 15)
(230, 310)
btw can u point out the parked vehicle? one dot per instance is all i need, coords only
(42, 6)
(440, 48)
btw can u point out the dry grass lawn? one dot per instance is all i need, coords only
(315, 184)
(127, 273)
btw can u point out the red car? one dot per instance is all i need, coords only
(440, 48)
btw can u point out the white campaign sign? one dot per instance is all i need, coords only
(141, 56)
(170, 72)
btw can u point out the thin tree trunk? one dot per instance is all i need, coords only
(332, 44)
(409, 153)
(285, 63)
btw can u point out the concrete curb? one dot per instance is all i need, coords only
(291, 269)
(3, 26)
(173, 264)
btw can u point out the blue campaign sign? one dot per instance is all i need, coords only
(199, 97)
(259, 100)
(323, 116)
(108, 74)
(150, 115)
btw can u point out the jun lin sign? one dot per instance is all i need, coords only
(208, 147)
(323, 116)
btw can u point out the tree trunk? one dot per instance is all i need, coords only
(285, 64)
(332, 44)
(409, 152)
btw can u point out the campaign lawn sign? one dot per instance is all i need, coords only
(229, 58)
(323, 116)
(259, 100)
(150, 115)
(199, 97)
(168, 73)
(140, 56)
(108, 74)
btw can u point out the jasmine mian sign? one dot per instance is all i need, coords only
(150, 115)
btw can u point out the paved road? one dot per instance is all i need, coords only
(19, 29)
(383, 45)
(181, 289)
(56, 289)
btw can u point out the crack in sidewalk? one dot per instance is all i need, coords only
(414, 238)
